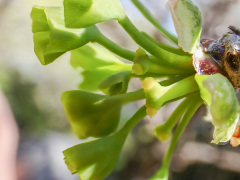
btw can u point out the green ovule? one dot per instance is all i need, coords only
(51, 38)
(84, 13)
(88, 115)
(94, 114)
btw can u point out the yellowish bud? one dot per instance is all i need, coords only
(163, 135)
(140, 52)
(151, 111)
(148, 83)
(137, 69)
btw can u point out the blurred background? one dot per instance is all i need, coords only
(34, 92)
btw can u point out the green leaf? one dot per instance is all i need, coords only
(188, 23)
(94, 160)
(84, 13)
(91, 114)
(116, 84)
(52, 38)
(97, 64)
(220, 96)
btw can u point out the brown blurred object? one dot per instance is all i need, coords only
(235, 140)
(8, 141)
(217, 16)
(194, 152)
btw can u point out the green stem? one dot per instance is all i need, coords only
(157, 96)
(166, 47)
(147, 14)
(158, 67)
(162, 55)
(173, 79)
(148, 64)
(175, 116)
(138, 116)
(164, 131)
(196, 102)
(130, 97)
(115, 48)
(189, 110)
(150, 74)
(170, 79)
(179, 90)
(140, 39)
